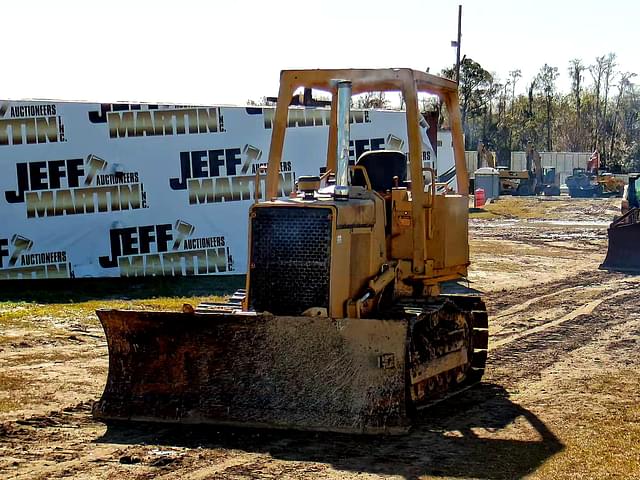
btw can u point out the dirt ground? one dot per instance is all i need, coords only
(560, 398)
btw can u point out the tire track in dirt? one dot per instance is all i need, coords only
(585, 309)
(522, 356)
(518, 359)
(498, 302)
(70, 440)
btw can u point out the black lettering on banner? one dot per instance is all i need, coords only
(36, 130)
(4, 250)
(100, 116)
(136, 240)
(30, 124)
(307, 117)
(43, 175)
(18, 111)
(192, 262)
(44, 271)
(165, 249)
(132, 120)
(227, 175)
(22, 264)
(206, 164)
(185, 173)
(74, 186)
(42, 258)
(204, 242)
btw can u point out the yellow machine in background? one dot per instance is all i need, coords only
(344, 325)
(535, 180)
(510, 181)
(611, 184)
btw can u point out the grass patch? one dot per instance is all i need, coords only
(545, 208)
(522, 207)
(482, 215)
(41, 304)
(27, 314)
(602, 439)
(12, 388)
(84, 289)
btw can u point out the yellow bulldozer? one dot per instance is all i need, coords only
(623, 252)
(345, 324)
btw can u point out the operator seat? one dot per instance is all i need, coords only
(381, 167)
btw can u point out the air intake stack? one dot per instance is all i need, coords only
(343, 121)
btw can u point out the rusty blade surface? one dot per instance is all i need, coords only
(258, 371)
(623, 252)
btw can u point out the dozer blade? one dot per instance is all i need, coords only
(623, 253)
(256, 370)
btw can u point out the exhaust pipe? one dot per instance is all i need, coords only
(341, 191)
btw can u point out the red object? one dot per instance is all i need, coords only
(593, 165)
(479, 199)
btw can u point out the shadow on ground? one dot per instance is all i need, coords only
(85, 289)
(464, 437)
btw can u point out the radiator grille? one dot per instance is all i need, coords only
(290, 259)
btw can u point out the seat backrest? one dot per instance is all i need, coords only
(381, 167)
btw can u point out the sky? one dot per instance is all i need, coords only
(214, 52)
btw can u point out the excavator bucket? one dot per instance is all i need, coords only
(303, 373)
(623, 253)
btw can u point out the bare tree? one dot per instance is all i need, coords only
(623, 87)
(546, 80)
(371, 100)
(576, 67)
(515, 76)
(597, 72)
(258, 103)
(609, 74)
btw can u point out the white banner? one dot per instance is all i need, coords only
(91, 190)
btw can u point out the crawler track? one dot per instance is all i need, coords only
(443, 333)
